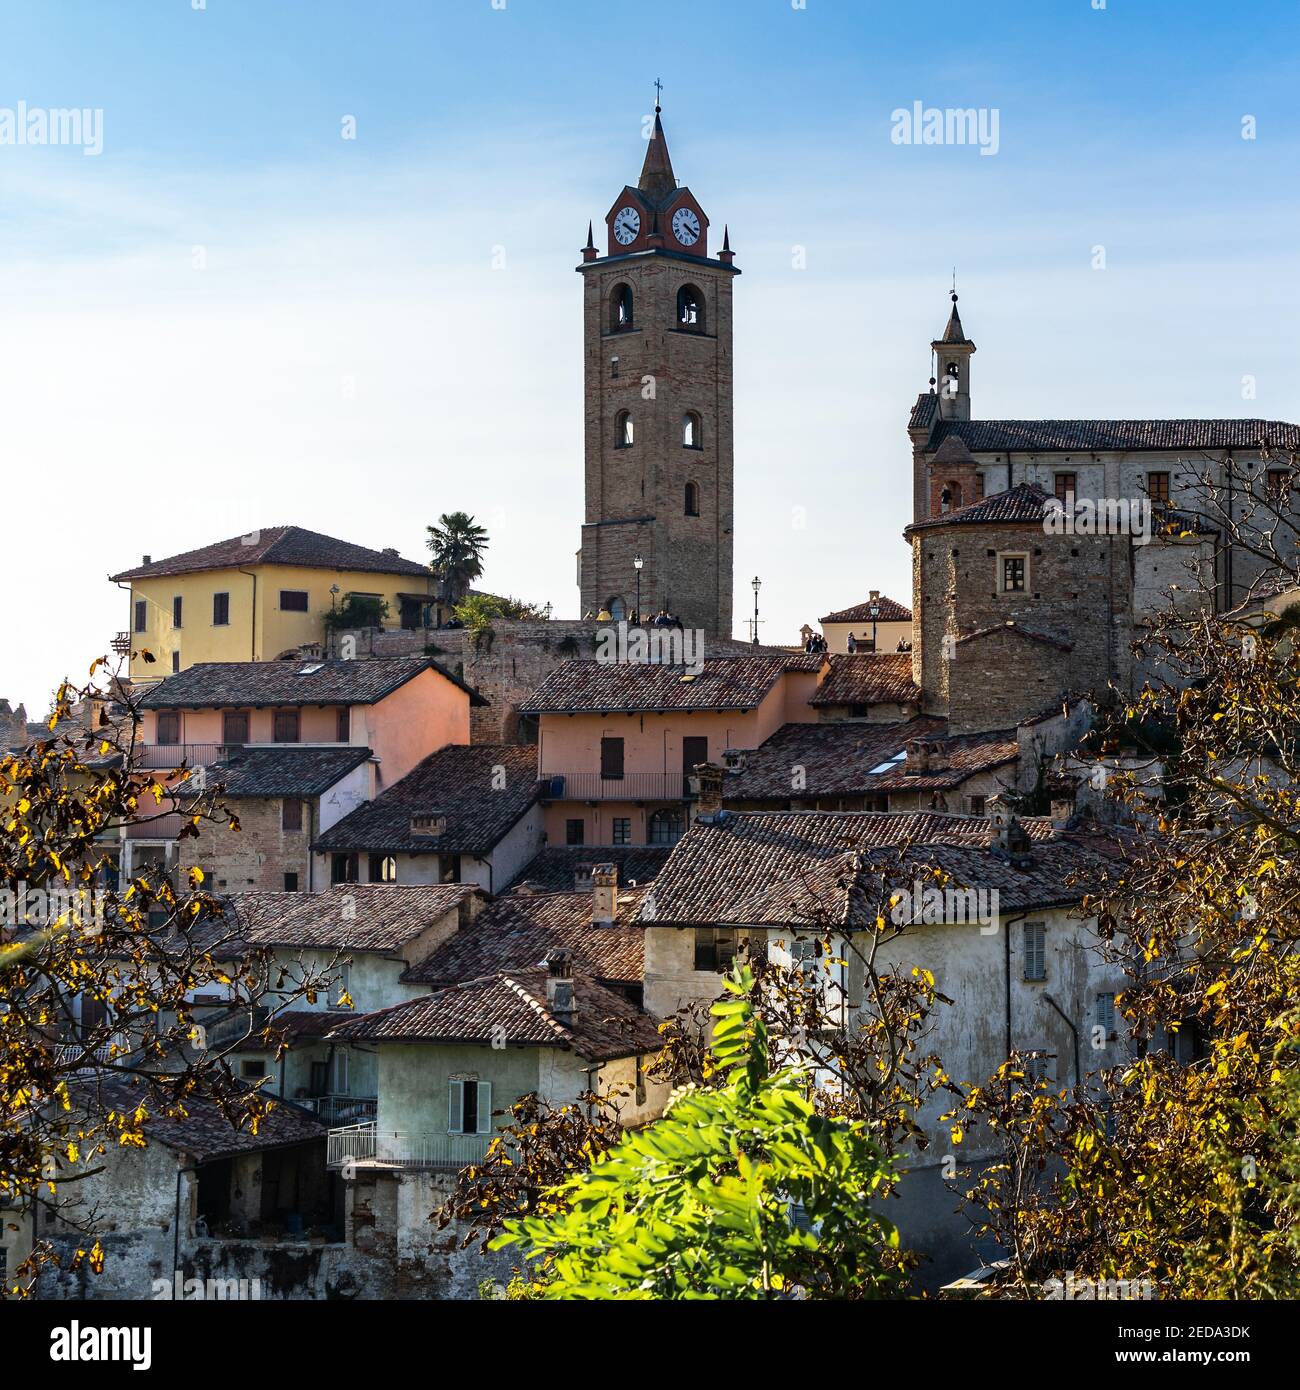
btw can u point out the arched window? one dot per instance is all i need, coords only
(692, 499)
(690, 309)
(692, 431)
(950, 497)
(617, 609)
(665, 827)
(624, 430)
(620, 308)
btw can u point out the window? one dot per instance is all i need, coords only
(950, 496)
(383, 868)
(252, 1068)
(469, 1106)
(220, 610)
(177, 610)
(234, 726)
(450, 868)
(1065, 487)
(690, 309)
(665, 827)
(617, 609)
(176, 662)
(291, 814)
(975, 804)
(611, 759)
(695, 750)
(291, 883)
(1279, 482)
(692, 431)
(624, 430)
(1158, 487)
(622, 830)
(344, 868)
(1106, 1013)
(141, 615)
(1035, 951)
(715, 948)
(343, 731)
(339, 1067)
(620, 309)
(168, 727)
(284, 728)
(692, 507)
(293, 600)
(1013, 574)
(979, 487)
(575, 832)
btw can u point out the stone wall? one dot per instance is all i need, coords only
(258, 855)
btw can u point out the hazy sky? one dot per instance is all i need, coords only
(232, 317)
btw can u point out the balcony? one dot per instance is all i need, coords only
(351, 1112)
(169, 755)
(632, 786)
(367, 1146)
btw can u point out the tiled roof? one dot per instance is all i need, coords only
(842, 758)
(379, 917)
(281, 770)
(482, 789)
(890, 612)
(781, 868)
(1013, 628)
(1048, 436)
(726, 682)
(517, 931)
(604, 1025)
(923, 411)
(554, 869)
(1023, 504)
(868, 678)
(203, 1132)
(223, 684)
(279, 545)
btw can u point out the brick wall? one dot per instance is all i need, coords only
(257, 856)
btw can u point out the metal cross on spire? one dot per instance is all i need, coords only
(659, 87)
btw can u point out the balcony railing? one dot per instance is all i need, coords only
(368, 1146)
(632, 786)
(343, 1111)
(168, 755)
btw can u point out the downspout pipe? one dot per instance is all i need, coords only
(1074, 1033)
(1006, 953)
(176, 1228)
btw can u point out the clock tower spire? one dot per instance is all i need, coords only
(658, 406)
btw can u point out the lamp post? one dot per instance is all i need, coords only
(639, 564)
(757, 584)
(874, 610)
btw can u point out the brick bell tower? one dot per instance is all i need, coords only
(658, 406)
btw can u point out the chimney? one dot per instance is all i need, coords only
(147, 560)
(709, 802)
(604, 895)
(1010, 838)
(559, 983)
(919, 754)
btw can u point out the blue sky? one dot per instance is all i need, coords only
(232, 317)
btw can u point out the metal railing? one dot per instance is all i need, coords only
(168, 755)
(367, 1145)
(343, 1111)
(632, 786)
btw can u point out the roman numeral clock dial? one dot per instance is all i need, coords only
(627, 226)
(686, 226)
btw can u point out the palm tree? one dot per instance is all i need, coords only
(457, 546)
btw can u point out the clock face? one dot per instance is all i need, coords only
(627, 226)
(686, 226)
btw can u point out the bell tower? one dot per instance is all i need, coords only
(952, 354)
(658, 405)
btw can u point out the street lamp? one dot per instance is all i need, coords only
(874, 610)
(639, 565)
(757, 584)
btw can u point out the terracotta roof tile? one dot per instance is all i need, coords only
(868, 678)
(279, 545)
(1023, 504)
(890, 612)
(726, 682)
(379, 917)
(222, 684)
(517, 931)
(273, 770)
(555, 868)
(604, 1025)
(483, 790)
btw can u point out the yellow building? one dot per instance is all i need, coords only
(259, 596)
(891, 624)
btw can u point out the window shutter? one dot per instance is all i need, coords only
(455, 1106)
(485, 1107)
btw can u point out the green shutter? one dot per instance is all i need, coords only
(485, 1107)
(455, 1107)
